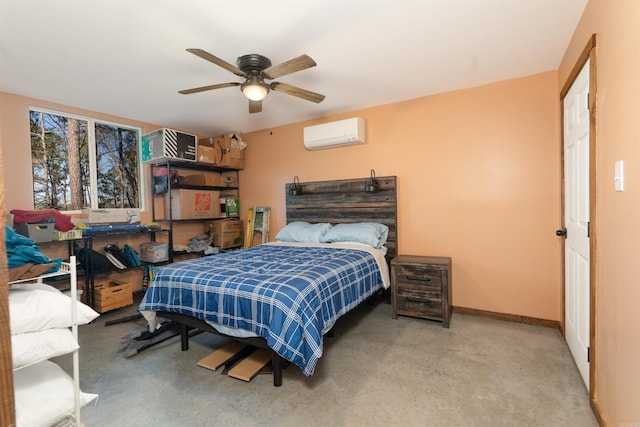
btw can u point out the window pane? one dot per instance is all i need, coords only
(59, 158)
(117, 166)
(64, 174)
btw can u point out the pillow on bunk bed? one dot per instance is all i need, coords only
(303, 232)
(370, 233)
(37, 306)
(33, 347)
(44, 395)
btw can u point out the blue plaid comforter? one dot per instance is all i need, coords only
(290, 295)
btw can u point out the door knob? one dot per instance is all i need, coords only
(561, 233)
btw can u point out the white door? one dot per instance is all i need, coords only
(576, 220)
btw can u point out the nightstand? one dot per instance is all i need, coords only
(421, 287)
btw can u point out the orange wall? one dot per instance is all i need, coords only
(617, 25)
(478, 175)
(478, 180)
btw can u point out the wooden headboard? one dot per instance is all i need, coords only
(345, 201)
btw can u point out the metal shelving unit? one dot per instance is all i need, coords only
(189, 166)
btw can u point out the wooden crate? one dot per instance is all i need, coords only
(113, 294)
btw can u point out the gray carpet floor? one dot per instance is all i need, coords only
(375, 371)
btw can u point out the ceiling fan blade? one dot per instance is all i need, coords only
(255, 106)
(210, 87)
(299, 63)
(219, 62)
(296, 91)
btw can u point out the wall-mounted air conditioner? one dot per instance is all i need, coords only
(334, 134)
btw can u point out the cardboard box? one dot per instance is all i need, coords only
(232, 158)
(37, 232)
(209, 152)
(111, 216)
(212, 180)
(230, 207)
(217, 151)
(154, 252)
(112, 294)
(193, 204)
(226, 233)
(168, 144)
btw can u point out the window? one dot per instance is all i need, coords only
(80, 162)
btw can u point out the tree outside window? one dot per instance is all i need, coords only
(83, 163)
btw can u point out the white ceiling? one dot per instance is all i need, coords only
(128, 58)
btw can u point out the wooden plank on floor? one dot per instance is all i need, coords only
(220, 355)
(249, 367)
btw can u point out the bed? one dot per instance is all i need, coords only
(285, 296)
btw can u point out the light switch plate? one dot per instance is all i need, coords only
(618, 178)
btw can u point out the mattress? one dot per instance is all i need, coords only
(290, 294)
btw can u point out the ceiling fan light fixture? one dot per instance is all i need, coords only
(254, 89)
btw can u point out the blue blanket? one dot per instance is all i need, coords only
(22, 250)
(290, 295)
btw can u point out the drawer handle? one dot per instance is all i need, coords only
(421, 301)
(419, 279)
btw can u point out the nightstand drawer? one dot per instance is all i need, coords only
(420, 290)
(418, 276)
(419, 306)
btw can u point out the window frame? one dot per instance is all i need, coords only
(91, 140)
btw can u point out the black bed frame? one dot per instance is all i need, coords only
(338, 201)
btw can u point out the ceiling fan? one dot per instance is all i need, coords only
(255, 69)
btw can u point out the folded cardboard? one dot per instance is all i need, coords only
(193, 204)
(112, 294)
(37, 232)
(226, 233)
(168, 144)
(154, 252)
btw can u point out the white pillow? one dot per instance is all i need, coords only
(370, 233)
(37, 306)
(303, 232)
(34, 347)
(44, 395)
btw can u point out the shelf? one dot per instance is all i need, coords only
(188, 166)
(65, 269)
(192, 166)
(197, 187)
(109, 232)
(193, 219)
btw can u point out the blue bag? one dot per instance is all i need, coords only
(132, 256)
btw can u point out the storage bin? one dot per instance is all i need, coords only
(37, 232)
(154, 252)
(112, 294)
